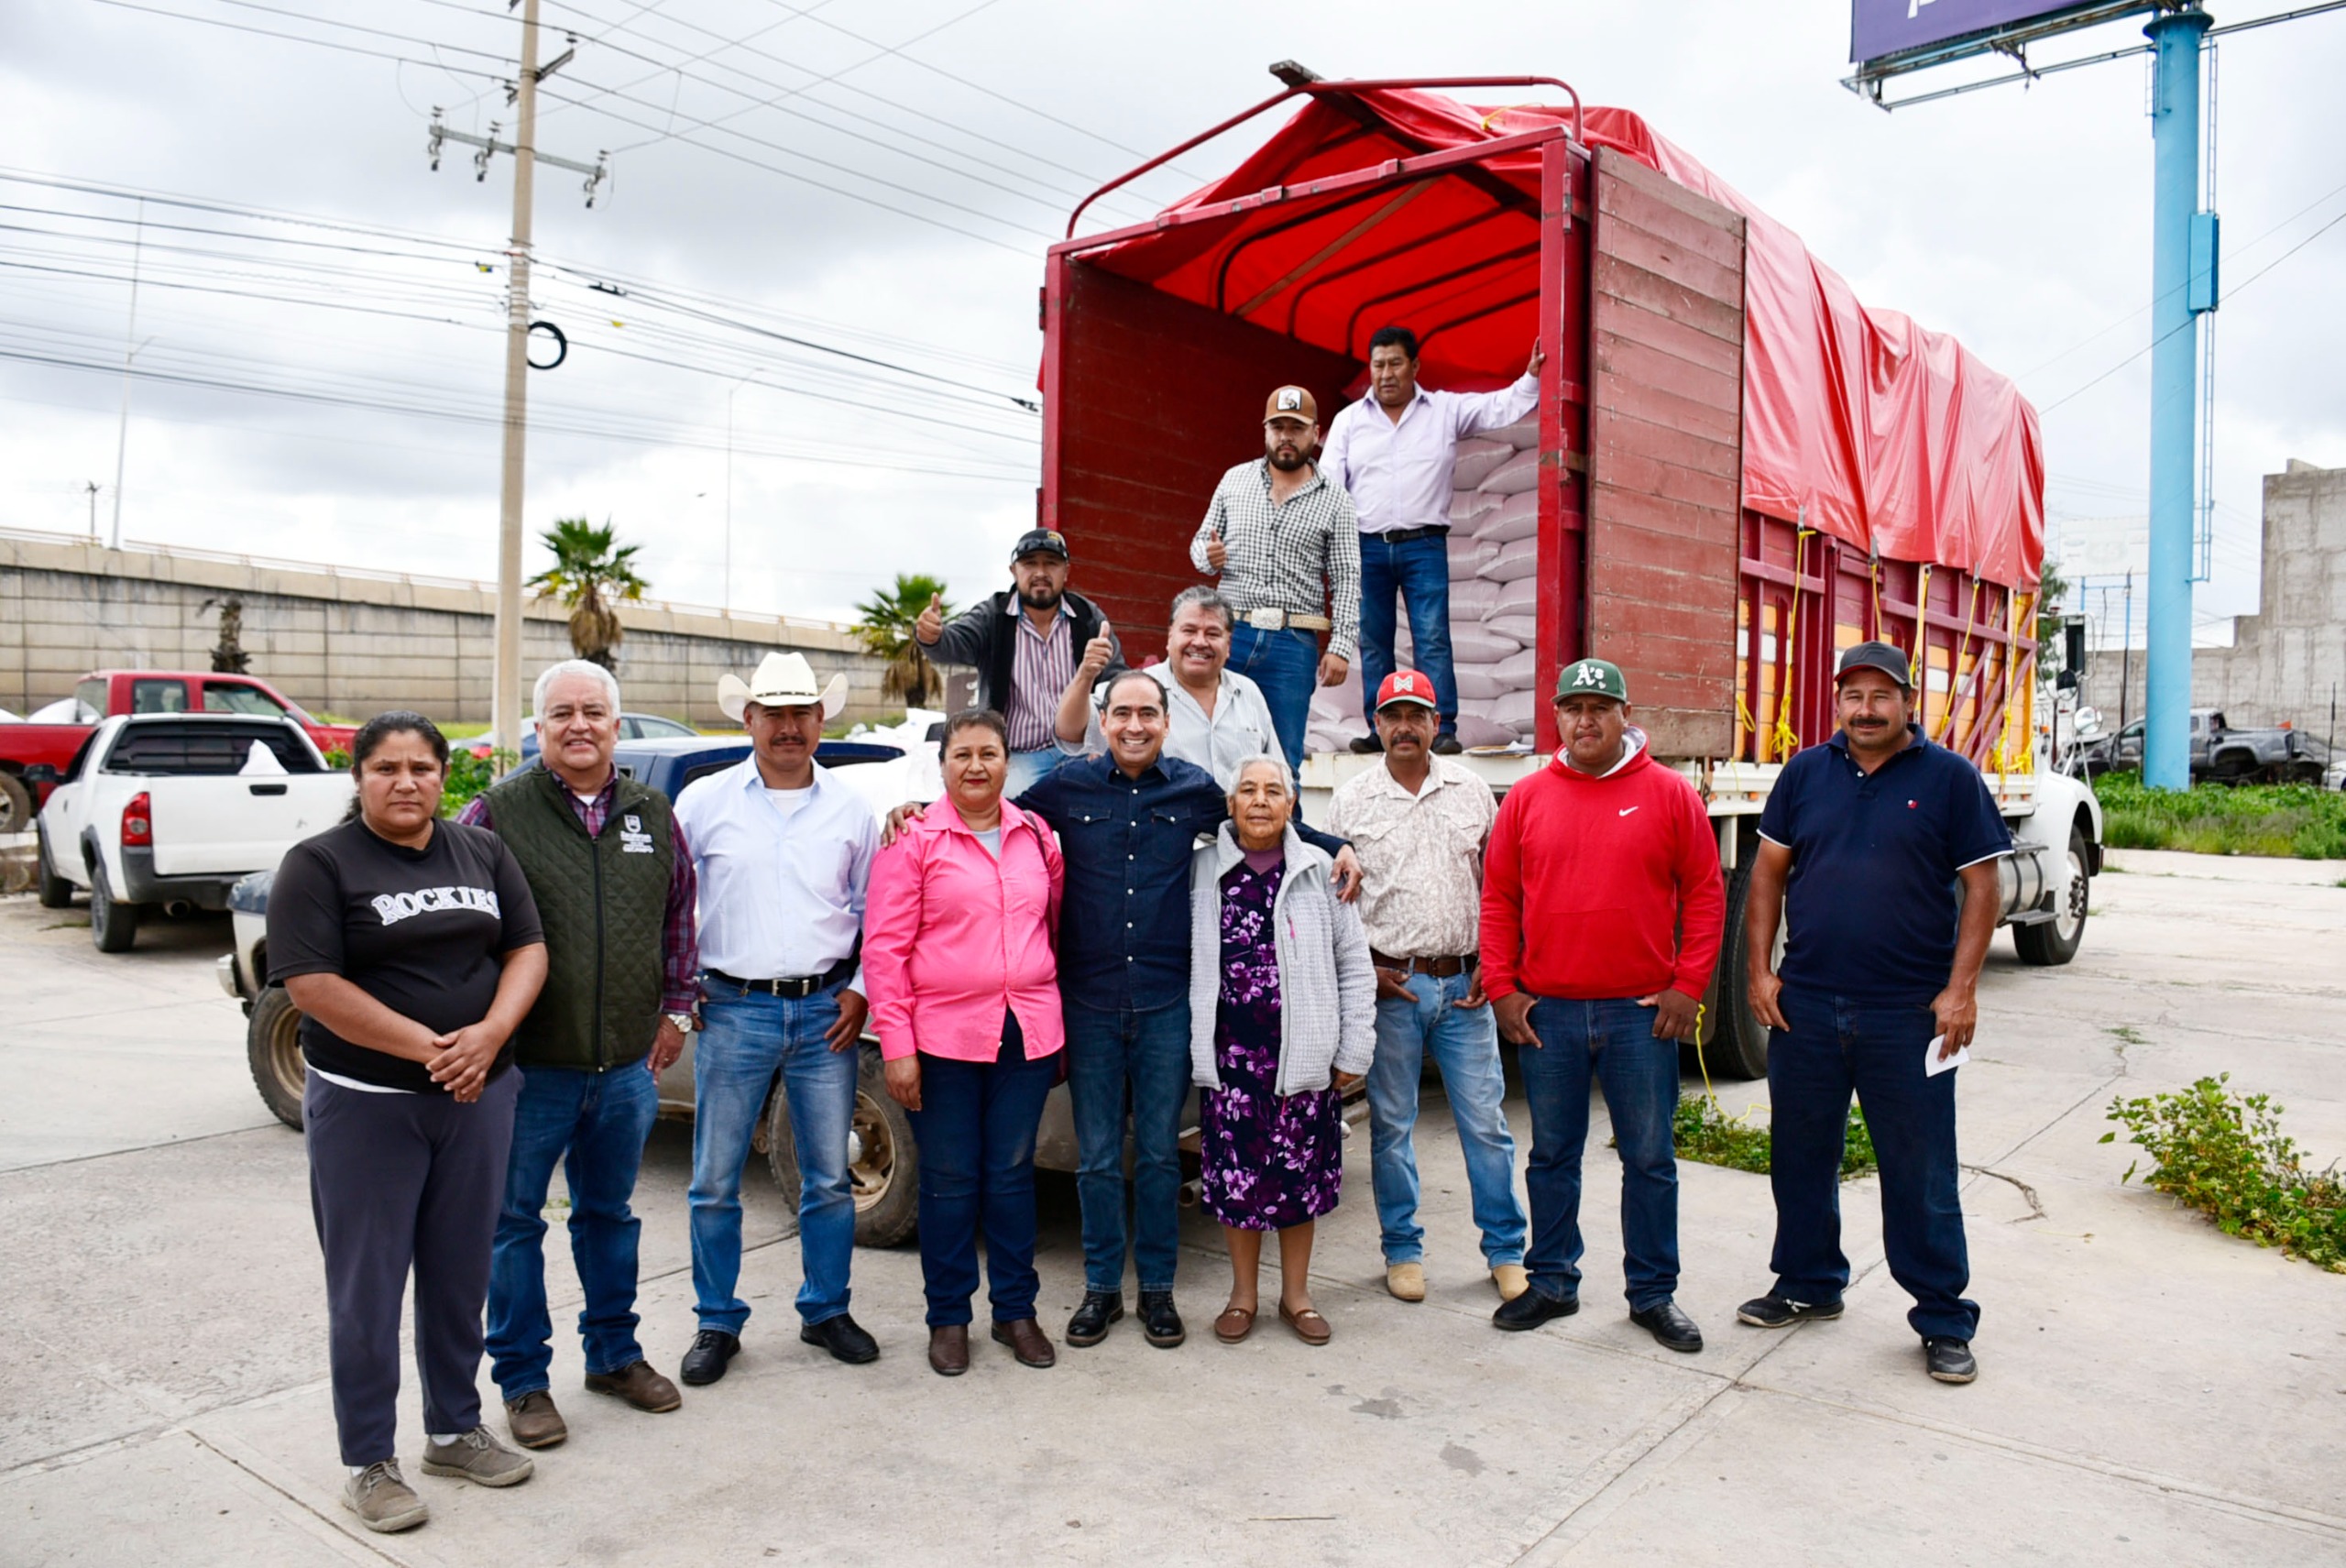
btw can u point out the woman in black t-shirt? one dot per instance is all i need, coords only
(413, 948)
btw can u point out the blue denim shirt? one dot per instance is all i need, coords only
(1124, 916)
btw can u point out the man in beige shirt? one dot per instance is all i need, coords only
(1418, 823)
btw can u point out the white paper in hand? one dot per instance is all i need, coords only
(1932, 1066)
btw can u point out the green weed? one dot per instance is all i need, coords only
(1708, 1136)
(2298, 820)
(2225, 1154)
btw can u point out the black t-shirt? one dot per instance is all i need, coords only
(422, 931)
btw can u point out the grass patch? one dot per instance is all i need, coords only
(2298, 820)
(2225, 1154)
(464, 731)
(1708, 1136)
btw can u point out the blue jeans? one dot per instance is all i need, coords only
(1285, 664)
(1611, 1042)
(1836, 1044)
(1466, 1045)
(976, 1126)
(1148, 1053)
(599, 1120)
(1417, 571)
(746, 1039)
(1025, 767)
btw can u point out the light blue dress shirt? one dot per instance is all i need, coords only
(781, 892)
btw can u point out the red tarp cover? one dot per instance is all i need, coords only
(1855, 420)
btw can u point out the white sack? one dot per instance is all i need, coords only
(1524, 629)
(1520, 597)
(1477, 683)
(1474, 729)
(1474, 643)
(1523, 433)
(1467, 508)
(1476, 458)
(1507, 562)
(1517, 475)
(1514, 710)
(1517, 670)
(1515, 518)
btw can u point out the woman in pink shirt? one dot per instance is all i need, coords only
(958, 964)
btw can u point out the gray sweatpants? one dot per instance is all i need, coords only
(401, 1180)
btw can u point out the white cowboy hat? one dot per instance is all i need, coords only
(782, 680)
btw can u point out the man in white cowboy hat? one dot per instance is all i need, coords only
(783, 851)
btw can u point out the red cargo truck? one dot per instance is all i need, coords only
(1737, 469)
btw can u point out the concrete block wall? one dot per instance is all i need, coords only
(358, 644)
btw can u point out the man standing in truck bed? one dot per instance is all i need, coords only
(1393, 451)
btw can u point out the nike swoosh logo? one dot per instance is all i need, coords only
(1625, 810)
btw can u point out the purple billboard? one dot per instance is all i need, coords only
(1879, 28)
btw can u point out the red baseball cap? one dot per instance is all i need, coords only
(1407, 685)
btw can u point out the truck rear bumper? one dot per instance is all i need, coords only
(141, 885)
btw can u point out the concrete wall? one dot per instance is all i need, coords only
(2284, 660)
(355, 643)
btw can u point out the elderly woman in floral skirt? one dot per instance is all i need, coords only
(1282, 1022)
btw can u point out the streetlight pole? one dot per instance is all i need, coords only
(727, 590)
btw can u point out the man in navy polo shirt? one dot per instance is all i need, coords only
(1863, 843)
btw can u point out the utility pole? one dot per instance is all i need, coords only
(92, 485)
(129, 353)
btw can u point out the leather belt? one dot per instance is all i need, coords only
(1439, 969)
(1403, 535)
(1284, 621)
(796, 988)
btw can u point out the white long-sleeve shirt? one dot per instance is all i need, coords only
(782, 884)
(1399, 473)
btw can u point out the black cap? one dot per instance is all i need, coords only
(1040, 541)
(1878, 656)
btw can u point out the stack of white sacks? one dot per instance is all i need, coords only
(1494, 563)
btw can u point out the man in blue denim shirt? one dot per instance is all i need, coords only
(1127, 822)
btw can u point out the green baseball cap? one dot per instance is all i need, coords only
(1595, 677)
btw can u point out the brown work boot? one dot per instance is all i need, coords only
(949, 1350)
(533, 1420)
(1026, 1341)
(638, 1385)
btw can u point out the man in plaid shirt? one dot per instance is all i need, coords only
(1282, 539)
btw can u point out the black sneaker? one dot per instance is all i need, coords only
(1672, 1329)
(1368, 745)
(705, 1362)
(844, 1338)
(1159, 1322)
(1949, 1360)
(1090, 1324)
(1533, 1307)
(1446, 745)
(1774, 1311)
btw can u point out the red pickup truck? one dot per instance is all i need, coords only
(34, 756)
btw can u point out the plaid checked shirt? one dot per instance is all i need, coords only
(1297, 556)
(679, 945)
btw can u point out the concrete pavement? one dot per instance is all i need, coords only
(2151, 1391)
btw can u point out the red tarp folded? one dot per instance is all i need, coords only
(1856, 420)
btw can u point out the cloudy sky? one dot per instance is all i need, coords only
(825, 221)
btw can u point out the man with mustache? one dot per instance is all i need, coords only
(1282, 539)
(1878, 850)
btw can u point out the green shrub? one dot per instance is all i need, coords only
(2220, 819)
(1708, 1136)
(2225, 1154)
(468, 775)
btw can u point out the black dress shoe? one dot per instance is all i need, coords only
(1533, 1307)
(1949, 1360)
(1368, 745)
(1672, 1329)
(705, 1362)
(1090, 1324)
(1774, 1311)
(1447, 745)
(844, 1338)
(1159, 1322)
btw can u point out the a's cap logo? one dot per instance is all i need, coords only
(1290, 399)
(1588, 675)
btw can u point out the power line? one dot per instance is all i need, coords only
(300, 37)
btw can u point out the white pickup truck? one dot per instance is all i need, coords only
(169, 810)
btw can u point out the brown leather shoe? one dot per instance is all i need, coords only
(533, 1420)
(638, 1385)
(1026, 1341)
(949, 1350)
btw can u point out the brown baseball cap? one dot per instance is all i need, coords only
(1291, 402)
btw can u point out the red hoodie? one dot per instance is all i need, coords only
(1586, 879)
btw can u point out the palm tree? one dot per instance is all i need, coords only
(587, 570)
(887, 630)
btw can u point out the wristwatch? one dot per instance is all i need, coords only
(684, 1022)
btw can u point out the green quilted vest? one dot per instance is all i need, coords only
(604, 903)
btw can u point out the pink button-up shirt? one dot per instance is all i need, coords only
(952, 937)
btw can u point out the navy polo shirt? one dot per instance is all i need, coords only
(1871, 908)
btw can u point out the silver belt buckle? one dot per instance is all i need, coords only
(1266, 620)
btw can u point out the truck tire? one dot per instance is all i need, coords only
(112, 927)
(1735, 1043)
(273, 1049)
(54, 890)
(16, 805)
(2056, 941)
(883, 1161)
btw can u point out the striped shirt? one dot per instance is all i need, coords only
(1041, 667)
(1294, 555)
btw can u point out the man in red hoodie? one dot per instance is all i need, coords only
(1602, 911)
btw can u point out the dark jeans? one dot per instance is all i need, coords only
(976, 1127)
(399, 1182)
(1148, 1053)
(1836, 1044)
(1285, 664)
(599, 1120)
(1611, 1042)
(1419, 572)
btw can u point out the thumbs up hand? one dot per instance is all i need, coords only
(931, 624)
(1096, 654)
